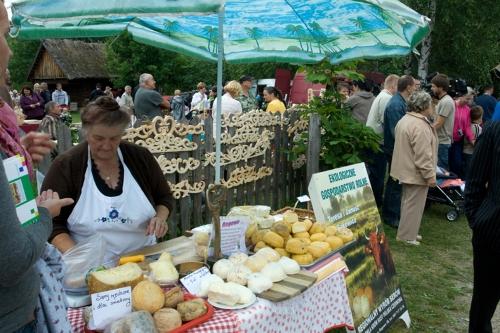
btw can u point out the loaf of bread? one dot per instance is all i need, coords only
(173, 297)
(126, 275)
(167, 320)
(192, 309)
(163, 272)
(147, 296)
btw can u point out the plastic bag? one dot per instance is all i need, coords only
(136, 322)
(80, 259)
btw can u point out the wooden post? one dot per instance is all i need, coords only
(216, 198)
(209, 169)
(313, 146)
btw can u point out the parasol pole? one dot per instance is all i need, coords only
(220, 58)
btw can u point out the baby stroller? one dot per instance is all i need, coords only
(447, 195)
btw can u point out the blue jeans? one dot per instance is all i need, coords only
(391, 210)
(30, 328)
(443, 156)
(377, 170)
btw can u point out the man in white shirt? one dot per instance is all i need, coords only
(60, 96)
(378, 164)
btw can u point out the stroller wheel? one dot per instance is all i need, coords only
(452, 215)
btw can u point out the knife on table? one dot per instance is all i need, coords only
(142, 257)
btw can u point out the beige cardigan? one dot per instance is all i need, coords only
(415, 151)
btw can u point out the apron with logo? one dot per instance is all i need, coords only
(122, 220)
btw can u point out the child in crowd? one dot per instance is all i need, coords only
(476, 118)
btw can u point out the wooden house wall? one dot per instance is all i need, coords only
(47, 68)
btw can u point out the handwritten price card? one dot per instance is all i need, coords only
(110, 306)
(193, 280)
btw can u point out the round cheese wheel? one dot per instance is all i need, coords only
(256, 263)
(205, 284)
(270, 254)
(345, 234)
(299, 227)
(246, 295)
(319, 237)
(330, 231)
(273, 239)
(296, 246)
(223, 293)
(303, 259)
(334, 241)
(257, 237)
(238, 274)
(315, 250)
(259, 246)
(317, 227)
(289, 266)
(303, 234)
(259, 283)
(282, 252)
(308, 223)
(281, 229)
(222, 267)
(238, 258)
(274, 271)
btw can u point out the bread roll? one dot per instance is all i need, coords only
(274, 271)
(303, 259)
(222, 293)
(173, 297)
(299, 227)
(256, 263)
(270, 254)
(126, 275)
(167, 320)
(289, 266)
(147, 296)
(192, 309)
(296, 246)
(317, 227)
(273, 239)
(222, 267)
(259, 283)
(319, 237)
(205, 285)
(238, 258)
(238, 274)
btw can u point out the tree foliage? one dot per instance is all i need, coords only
(20, 64)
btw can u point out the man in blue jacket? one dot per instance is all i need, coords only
(394, 111)
(487, 102)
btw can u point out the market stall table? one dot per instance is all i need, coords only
(324, 306)
(29, 127)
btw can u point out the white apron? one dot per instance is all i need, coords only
(122, 220)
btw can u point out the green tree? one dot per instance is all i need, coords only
(318, 32)
(254, 33)
(211, 31)
(20, 64)
(296, 29)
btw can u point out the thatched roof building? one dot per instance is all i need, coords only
(77, 65)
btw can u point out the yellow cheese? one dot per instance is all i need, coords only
(319, 237)
(165, 256)
(303, 234)
(303, 259)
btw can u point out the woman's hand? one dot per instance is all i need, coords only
(32, 106)
(38, 145)
(157, 226)
(50, 200)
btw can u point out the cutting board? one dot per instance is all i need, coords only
(183, 244)
(292, 286)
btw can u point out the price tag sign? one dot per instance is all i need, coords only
(304, 198)
(110, 306)
(193, 280)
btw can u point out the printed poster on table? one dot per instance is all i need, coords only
(343, 197)
(232, 235)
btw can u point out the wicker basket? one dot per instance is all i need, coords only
(302, 213)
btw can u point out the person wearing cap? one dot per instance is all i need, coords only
(96, 93)
(246, 98)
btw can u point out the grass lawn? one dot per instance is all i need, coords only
(436, 277)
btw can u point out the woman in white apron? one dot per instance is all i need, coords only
(119, 189)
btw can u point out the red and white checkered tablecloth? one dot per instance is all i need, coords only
(323, 306)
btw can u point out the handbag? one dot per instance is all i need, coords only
(199, 107)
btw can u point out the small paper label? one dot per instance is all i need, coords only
(304, 198)
(110, 306)
(193, 280)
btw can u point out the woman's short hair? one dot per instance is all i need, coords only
(233, 88)
(177, 92)
(201, 85)
(418, 101)
(104, 111)
(26, 87)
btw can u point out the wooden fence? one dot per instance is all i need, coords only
(254, 166)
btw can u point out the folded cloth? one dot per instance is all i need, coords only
(51, 306)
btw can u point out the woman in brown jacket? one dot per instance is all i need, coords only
(414, 164)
